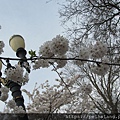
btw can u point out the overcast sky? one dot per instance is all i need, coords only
(37, 21)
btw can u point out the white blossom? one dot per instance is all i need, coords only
(98, 50)
(40, 63)
(45, 50)
(16, 74)
(36, 100)
(59, 45)
(102, 68)
(19, 109)
(4, 97)
(83, 54)
(86, 88)
(4, 93)
(25, 78)
(4, 89)
(61, 63)
(1, 46)
(11, 104)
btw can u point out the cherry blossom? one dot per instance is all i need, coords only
(59, 45)
(4, 93)
(101, 69)
(2, 45)
(16, 74)
(61, 63)
(11, 104)
(40, 63)
(45, 50)
(83, 54)
(98, 50)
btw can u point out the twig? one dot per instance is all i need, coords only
(62, 79)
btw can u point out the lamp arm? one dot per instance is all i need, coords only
(21, 53)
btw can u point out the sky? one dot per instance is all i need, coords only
(37, 21)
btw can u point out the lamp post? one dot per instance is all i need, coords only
(18, 45)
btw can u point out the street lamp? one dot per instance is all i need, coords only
(17, 41)
(18, 45)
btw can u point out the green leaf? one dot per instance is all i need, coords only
(32, 53)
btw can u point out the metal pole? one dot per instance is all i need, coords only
(17, 95)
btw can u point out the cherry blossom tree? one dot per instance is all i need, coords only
(93, 30)
(95, 19)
